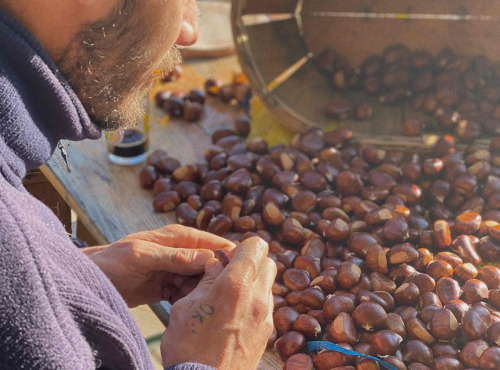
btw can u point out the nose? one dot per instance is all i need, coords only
(189, 29)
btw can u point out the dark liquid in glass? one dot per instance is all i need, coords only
(132, 143)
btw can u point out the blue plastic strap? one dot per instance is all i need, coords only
(317, 345)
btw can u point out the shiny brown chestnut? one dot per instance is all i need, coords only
(386, 342)
(476, 322)
(335, 304)
(284, 318)
(369, 316)
(296, 279)
(348, 275)
(343, 329)
(447, 289)
(444, 324)
(418, 330)
(299, 361)
(474, 290)
(307, 325)
(490, 358)
(416, 350)
(472, 352)
(290, 343)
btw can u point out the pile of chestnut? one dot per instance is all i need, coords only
(189, 105)
(460, 93)
(379, 251)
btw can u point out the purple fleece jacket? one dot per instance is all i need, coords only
(57, 309)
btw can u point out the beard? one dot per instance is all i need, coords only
(110, 65)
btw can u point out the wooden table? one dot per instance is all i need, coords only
(108, 198)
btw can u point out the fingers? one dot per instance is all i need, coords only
(213, 268)
(181, 261)
(267, 273)
(248, 258)
(179, 287)
(178, 236)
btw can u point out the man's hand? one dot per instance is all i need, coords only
(226, 321)
(163, 264)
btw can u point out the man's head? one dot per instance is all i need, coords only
(109, 49)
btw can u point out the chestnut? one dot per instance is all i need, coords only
(272, 338)
(396, 231)
(308, 326)
(444, 324)
(220, 224)
(376, 258)
(296, 279)
(326, 283)
(283, 318)
(476, 322)
(447, 289)
(491, 276)
(458, 308)
(418, 330)
(490, 359)
(386, 342)
(326, 360)
(401, 253)
(466, 247)
(493, 333)
(438, 269)
(313, 298)
(424, 282)
(467, 223)
(443, 363)
(272, 215)
(417, 366)
(148, 177)
(417, 351)
(407, 294)
(465, 271)
(395, 323)
(299, 361)
(166, 201)
(444, 349)
(348, 183)
(290, 343)
(494, 298)
(474, 290)
(343, 330)
(335, 304)
(369, 316)
(185, 214)
(427, 313)
(429, 298)
(472, 352)
(451, 258)
(348, 275)
(382, 282)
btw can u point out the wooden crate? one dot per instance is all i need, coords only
(277, 41)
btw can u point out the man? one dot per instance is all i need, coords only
(69, 69)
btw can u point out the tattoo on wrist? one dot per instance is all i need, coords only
(202, 312)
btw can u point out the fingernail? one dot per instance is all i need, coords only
(201, 258)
